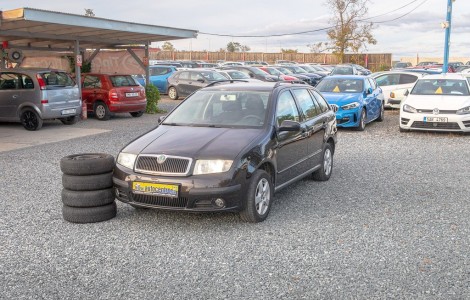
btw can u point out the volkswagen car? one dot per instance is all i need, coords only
(230, 147)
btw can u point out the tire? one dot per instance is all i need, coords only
(324, 173)
(173, 93)
(87, 164)
(381, 117)
(30, 120)
(261, 187)
(89, 214)
(87, 198)
(362, 121)
(137, 114)
(69, 120)
(101, 111)
(87, 182)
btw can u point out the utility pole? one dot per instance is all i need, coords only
(448, 26)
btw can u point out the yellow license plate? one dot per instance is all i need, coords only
(158, 189)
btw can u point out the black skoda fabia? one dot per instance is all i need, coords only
(230, 147)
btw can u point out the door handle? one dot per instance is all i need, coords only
(15, 96)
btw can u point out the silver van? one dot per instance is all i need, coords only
(31, 95)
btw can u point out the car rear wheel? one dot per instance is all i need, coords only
(137, 114)
(382, 113)
(259, 198)
(101, 111)
(173, 93)
(362, 121)
(324, 173)
(30, 120)
(70, 120)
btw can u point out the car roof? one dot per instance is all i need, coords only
(347, 77)
(253, 86)
(446, 76)
(398, 72)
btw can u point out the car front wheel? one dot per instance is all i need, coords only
(259, 198)
(173, 93)
(382, 113)
(362, 121)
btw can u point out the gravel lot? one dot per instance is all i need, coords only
(392, 222)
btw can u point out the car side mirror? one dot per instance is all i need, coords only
(161, 119)
(288, 125)
(201, 80)
(369, 91)
(251, 75)
(407, 92)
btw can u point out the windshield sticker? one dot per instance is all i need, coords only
(438, 91)
(336, 89)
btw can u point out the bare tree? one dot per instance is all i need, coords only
(350, 33)
(89, 12)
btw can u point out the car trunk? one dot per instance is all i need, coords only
(59, 90)
(126, 88)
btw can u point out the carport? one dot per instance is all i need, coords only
(28, 29)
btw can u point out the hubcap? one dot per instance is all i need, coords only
(100, 111)
(363, 119)
(327, 162)
(172, 93)
(262, 196)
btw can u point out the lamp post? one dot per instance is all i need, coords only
(448, 26)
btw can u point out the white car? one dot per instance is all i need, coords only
(437, 103)
(395, 80)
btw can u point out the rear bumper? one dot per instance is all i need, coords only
(127, 106)
(48, 111)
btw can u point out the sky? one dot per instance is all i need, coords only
(417, 33)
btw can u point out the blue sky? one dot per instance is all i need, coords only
(418, 32)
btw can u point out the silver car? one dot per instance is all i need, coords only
(33, 95)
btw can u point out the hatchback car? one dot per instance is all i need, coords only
(32, 95)
(254, 72)
(395, 80)
(105, 94)
(358, 98)
(229, 147)
(437, 103)
(159, 76)
(183, 83)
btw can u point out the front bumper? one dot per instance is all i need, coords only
(348, 118)
(196, 193)
(415, 121)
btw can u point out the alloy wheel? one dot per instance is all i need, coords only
(262, 196)
(327, 161)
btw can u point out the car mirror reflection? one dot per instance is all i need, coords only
(288, 125)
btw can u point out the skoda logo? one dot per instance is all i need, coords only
(435, 111)
(161, 159)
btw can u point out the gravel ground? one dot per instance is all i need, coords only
(392, 222)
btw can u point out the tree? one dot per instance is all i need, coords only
(233, 47)
(245, 48)
(167, 46)
(349, 32)
(289, 50)
(89, 12)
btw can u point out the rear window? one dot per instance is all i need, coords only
(453, 87)
(123, 80)
(54, 79)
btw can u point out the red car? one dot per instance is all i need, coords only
(113, 93)
(275, 72)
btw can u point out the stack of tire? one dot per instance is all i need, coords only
(87, 193)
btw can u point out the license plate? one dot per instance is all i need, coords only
(68, 111)
(435, 119)
(132, 94)
(158, 189)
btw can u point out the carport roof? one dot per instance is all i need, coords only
(35, 29)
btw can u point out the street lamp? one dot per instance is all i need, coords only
(447, 25)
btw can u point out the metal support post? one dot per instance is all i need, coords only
(448, 27)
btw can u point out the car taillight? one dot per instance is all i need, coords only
(44, 101)
(42, 84)
(113, 95)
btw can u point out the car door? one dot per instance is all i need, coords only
(92, 90)
(182, 83)
(9, 94)
(197, 81)
(313, 125)
(370, 101)
(292, 146)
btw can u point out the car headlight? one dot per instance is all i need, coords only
(464, 111)
(409, 109)
(351, 105)
(126, 160)
(211, 166)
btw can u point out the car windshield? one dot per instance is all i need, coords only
(123, 80)
(285, 71)
(155, 71)
(221, 109)
(213, 76)
(258, 71)
(455, 87)
(339, 85)
(238, 75)
(297, 70)
(273, 71)
(342, 71)
(57, 79)
(308, 69)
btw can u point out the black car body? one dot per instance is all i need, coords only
(184, 82)
(254, 72)
(229, 147)
(286, 71)
(314, 78)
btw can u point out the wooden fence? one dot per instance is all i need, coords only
(373, 61)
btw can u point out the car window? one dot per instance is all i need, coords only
(320, 100)
(238, 75)
(341, 85)
(212, 76)
(196, 76)
(155, 71)
(91, 81)
(122, 80)
(407, 79)
(367, 85)
(184, 76)
(9, 81)
(306, 103)
(372, 82)
(26, 82)
(54, 79)
(286, 108)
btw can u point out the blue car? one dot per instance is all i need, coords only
(358, 98)
(159, 76)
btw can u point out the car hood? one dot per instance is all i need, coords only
(341, 98)
(442, 102)
(194, 142)
(312, 75)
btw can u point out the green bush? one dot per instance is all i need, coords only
(153, 96)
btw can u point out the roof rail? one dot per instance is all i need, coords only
(289, 81)
(228, 80)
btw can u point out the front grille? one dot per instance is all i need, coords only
(172, 166)
(431, 125)
(160, 201)
(441, 112)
